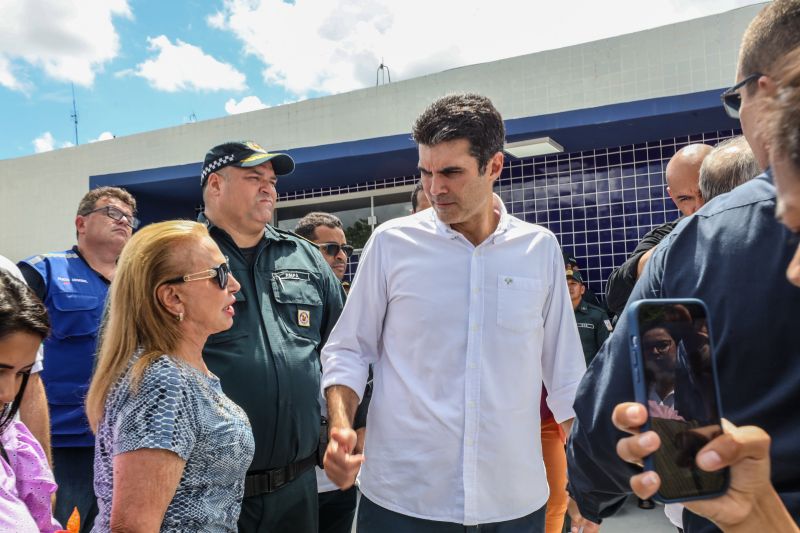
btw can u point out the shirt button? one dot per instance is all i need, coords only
(471, 404)
(468, 442)
(470, 365)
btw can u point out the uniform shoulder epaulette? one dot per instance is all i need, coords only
(35, 260)
(595, 307)
(289, 233)
(41, 257)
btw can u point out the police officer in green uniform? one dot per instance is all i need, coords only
(593, 323)
(570, 263)
(268, 362)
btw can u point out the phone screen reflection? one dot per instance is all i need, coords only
(681, 395)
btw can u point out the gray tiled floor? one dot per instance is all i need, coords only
(631, 519)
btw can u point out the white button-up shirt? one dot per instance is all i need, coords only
(461, 338)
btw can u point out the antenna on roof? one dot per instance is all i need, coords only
(382, 74)
(74, 115)
(192, 118)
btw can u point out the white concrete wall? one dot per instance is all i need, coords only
(39, 193)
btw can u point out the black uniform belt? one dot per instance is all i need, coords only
(267, 481)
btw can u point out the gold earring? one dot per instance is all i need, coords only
(180, 317)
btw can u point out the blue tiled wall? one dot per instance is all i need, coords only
(599, 203)
(367, 186)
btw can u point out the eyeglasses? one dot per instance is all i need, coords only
(661, 347)
(221, 272)
(732, 99)
(332, 249)
(116, 214)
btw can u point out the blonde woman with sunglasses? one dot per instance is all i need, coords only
(172, 450)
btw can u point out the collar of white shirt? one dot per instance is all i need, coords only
(499, 207)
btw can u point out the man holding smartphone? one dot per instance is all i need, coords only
(758, 354)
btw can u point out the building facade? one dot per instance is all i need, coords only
(619, 107)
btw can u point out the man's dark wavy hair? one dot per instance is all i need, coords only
(463, 116)
(21, 311)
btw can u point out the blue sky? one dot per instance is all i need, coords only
(142, 65)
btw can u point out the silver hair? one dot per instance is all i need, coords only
(727, 166)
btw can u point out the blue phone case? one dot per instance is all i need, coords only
(637, 367)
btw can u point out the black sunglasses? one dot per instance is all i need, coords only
(221, 272)
(116, 214)
(332, 249)
(732, 99)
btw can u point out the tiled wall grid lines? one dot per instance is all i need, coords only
(599, 203)
(387, 183)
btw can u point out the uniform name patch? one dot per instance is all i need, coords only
(290, 275)
(303, 318)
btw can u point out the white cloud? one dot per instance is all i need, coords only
(70, 41)
(7, 78)
(43, 143)
(332, 46)
(124, 73)
(248, 103)
(46, 142)
(183, 66)
(105, 136)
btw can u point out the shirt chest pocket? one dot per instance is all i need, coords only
(519, 302)
(298, 304)
(75, 315)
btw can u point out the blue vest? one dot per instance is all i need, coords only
(76, 297)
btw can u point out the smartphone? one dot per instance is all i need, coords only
(675, 378)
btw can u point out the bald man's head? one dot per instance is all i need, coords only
(683, 177)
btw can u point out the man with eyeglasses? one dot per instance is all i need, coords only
(336, 507)
(732, 254)
(326, 231)
(268, 362)
(73, 285)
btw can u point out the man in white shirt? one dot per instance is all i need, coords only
(463, 312)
